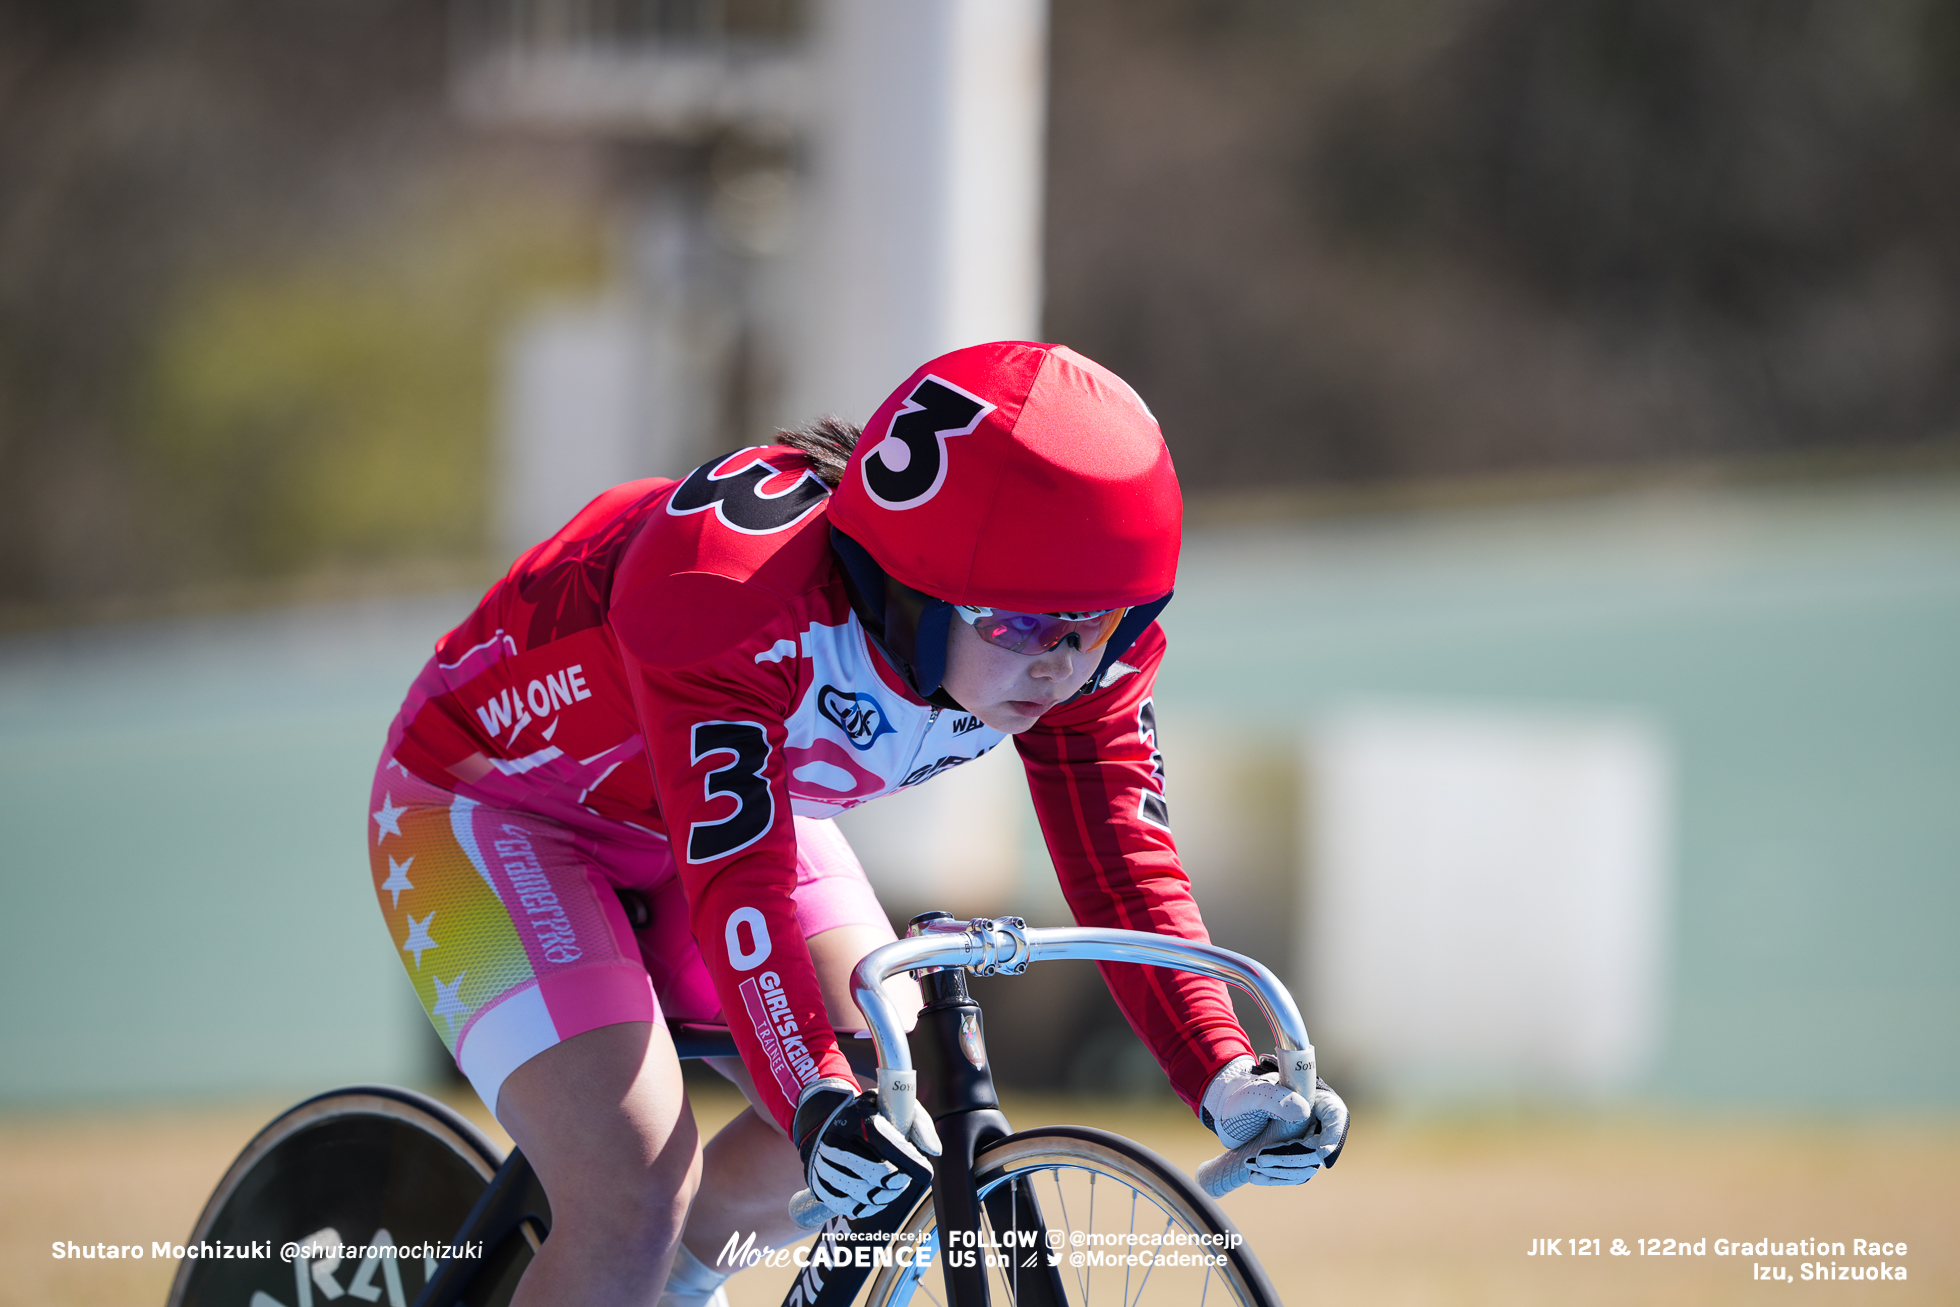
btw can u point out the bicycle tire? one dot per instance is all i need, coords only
(1052, 1149)
(358, 1162)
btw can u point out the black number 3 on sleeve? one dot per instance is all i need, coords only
(1152, 807)
(739, 500)
(742, 780)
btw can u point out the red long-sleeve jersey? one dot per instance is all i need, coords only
(681, 662)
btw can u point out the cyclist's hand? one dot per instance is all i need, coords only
(1294, 1160)
(855, 1159)
(1246, 1101)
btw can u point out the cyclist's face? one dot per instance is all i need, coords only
(1008, 690)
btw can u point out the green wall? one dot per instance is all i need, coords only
(1798, 649)
(181, 813)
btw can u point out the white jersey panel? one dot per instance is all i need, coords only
(853, 738)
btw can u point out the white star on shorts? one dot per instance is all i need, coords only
(389, 818)
(448, 1006)
(398, 879)
(418, 937)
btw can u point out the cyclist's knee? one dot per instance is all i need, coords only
(835, 953)
(643, 1208)
(627, 1215)
(604, 1119)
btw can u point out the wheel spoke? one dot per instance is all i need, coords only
(922, 1275)
(1090, 1285)
(1169, 1221)
(1130, 1248)
(1081, 1285)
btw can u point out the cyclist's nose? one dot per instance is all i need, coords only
(1057, 664)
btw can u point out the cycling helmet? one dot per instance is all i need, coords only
(1012, 475)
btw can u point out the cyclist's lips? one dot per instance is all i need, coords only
(1031, 707)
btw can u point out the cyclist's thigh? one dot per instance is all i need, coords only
(506, 925)
(831, 888)
(604, 1119)
(843, 920)
(835, 907)
(608, 1101)
(836, 953)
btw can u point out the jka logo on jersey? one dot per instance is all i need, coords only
(859, 716)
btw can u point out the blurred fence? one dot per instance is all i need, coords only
(183, 807)
(1790, 647)
(1639, 793)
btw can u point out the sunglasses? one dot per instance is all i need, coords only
(1037, 633)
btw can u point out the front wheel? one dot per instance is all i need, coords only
(1121, 1225)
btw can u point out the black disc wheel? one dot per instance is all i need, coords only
(1074, 1217)
(377, 1169)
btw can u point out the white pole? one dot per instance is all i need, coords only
(925, 229)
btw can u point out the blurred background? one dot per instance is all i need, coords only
(1567, 397)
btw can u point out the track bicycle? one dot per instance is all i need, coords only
(1059, 1216)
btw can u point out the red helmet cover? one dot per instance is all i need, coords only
(1016, 475)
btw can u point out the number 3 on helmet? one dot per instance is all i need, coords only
(1016, 476)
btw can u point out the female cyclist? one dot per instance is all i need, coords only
(605, 801)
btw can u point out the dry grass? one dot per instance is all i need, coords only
(1417, 1213)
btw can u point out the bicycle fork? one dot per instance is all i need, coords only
(956, 1086)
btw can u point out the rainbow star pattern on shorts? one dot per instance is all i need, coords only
(456, 939)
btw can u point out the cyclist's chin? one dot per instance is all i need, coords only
(1012, 716)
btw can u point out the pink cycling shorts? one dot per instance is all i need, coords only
(510, 927)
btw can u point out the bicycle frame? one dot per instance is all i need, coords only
(959, 1092)
(960, 1096)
